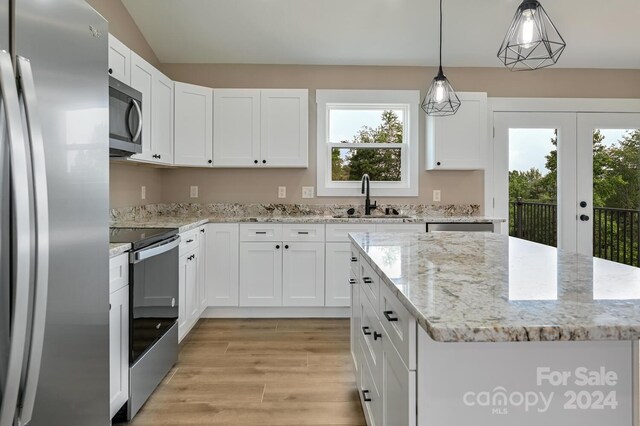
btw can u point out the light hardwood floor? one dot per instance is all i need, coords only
(259, 372)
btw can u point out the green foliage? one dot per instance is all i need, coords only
(382, 164)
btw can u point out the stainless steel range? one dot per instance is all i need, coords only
(153, 318)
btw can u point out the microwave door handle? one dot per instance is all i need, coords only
(20, 189)
(139, 111)
(41, 199)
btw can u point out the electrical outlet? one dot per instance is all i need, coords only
(194, 192)
(282, 192)
(143, 192)
(436, 195)
(308, 191)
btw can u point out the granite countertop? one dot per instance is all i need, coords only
(186, 223)
(116, 249)
(484, 287)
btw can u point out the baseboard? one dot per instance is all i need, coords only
(279, 312)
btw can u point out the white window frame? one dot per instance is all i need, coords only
(408, 101)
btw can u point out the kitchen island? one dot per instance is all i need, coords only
(484, 329)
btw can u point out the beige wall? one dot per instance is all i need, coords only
(126, 180)
(251, 185)
(122, 25)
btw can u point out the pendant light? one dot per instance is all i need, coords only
(441, 100)
(532, 42)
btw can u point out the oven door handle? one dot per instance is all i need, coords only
(155, 250)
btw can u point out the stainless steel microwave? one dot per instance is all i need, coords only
(125, 119)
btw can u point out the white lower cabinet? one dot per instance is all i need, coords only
(337, 289)
(398, 389)
(260, 274)
(118, 339)
(222, 264)
(303, 274)
(202, 270)
(188, 293)
(387, 385)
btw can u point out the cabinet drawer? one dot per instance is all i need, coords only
(370, 283)
(370, 397)
(303, 232)
(189, 241)
(371, 332)
(355, 261)
(340, 233)
(260, 232)
(401, 227)
(118, 272)
(399, 326)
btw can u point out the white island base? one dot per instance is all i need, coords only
(588, 383)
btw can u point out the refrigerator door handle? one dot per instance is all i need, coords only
(21, 196)
(41, 203)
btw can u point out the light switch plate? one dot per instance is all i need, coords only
(282, 192)
(194, 191)
(308, 191)
(143, 192)
(436, 195)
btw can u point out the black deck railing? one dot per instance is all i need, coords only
(616, 232)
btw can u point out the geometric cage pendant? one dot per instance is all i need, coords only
(532, 41)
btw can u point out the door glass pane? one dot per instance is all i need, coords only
(616, 195)
(533, 162)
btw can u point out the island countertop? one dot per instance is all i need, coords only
(483, 287)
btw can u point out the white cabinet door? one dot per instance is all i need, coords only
(119, 60)
(193, 125)
(142, 80)
(303, 274)
(202, 271)
(222, 263)
(188, 293)
(261, 274)
(118, 349)
(338, 267)
(162, 118)
(236, 127)
(182, 297)
(458, 142)
(284, 128)
(398, 389)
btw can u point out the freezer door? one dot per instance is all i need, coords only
(65, 42)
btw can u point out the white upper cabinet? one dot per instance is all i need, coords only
(162, 118)
(142, 81)
(284, 128)
(193, 125)
(119, 60)
(458, 142)
(236, 130)
(157, 111)
(260, 128)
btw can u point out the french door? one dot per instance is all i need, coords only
(570, 180)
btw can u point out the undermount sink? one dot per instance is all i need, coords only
(344, 216)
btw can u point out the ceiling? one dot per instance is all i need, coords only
(599, 33)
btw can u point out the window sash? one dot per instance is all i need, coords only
(404, 166)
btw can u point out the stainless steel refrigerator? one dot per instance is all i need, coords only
(54, 305)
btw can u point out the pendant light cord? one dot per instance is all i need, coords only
(440, 67)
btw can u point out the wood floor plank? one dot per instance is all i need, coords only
(250, 372)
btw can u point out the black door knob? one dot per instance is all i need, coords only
(438, 163)
(286, 246)
(584, 217)
(255, 161)
(277, 247)
(583, 204)
(110, 70)
(210, 161)
(264, 161)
